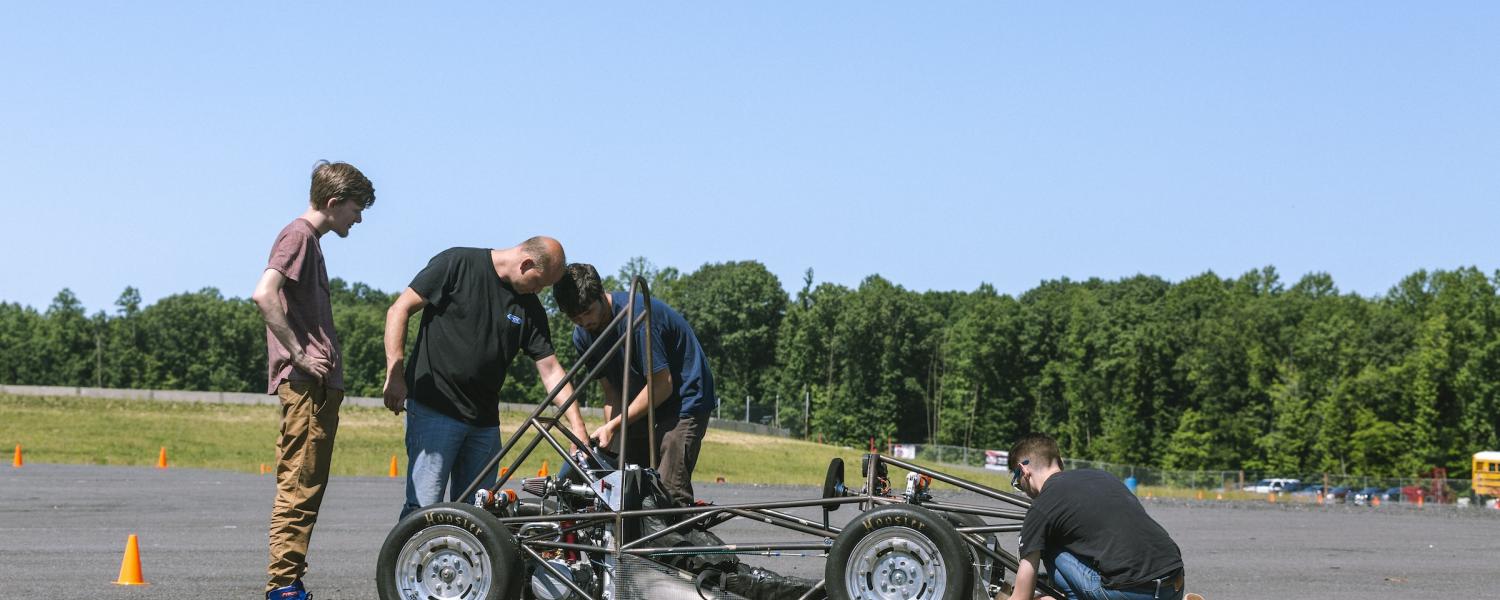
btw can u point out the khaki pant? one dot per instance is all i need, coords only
(309, 419)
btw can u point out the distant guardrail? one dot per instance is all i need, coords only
(245, 398)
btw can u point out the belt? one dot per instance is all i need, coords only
(1173, 580)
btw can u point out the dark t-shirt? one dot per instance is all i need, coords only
(309, 311)
(1090, 514)
(674, 347)
(472, 328)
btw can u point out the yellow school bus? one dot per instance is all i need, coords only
(1487, 473)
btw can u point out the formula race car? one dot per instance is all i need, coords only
(604, 529)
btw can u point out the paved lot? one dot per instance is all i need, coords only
(203, 535)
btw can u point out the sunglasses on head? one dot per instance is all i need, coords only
(1015, 476)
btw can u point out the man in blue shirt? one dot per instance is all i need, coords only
(682, 387)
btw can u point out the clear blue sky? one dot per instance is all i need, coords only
(941, 145)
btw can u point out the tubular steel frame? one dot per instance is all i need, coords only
(708, 516)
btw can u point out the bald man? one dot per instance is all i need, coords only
(479, 309)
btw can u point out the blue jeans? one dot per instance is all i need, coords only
(1079, 581)
(443, 455)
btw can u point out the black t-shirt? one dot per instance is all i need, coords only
(1090, 514)
(472, 328)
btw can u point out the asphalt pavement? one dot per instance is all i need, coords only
(202, 534)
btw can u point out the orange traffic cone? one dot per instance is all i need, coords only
(161, 458)
(130, 567)
(543, 471)
(1375, 502)
(17, 462)
(1271, 497)
(394, 474)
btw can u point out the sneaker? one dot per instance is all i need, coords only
(291, 592)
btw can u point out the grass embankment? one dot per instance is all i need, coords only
(242, 437)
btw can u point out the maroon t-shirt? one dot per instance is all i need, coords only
(309, 310)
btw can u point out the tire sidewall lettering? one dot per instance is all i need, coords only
(882, 521)
(460, 521)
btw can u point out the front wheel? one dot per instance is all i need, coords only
(448, 551)
(898, 552)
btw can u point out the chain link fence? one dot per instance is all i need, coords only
(1431, 489)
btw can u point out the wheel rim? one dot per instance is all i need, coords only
(443, 562)
(895, 563)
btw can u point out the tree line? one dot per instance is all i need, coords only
(1206, 373)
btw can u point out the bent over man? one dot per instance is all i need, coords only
(1097, 541)
(479, 309)
(304, 366)
(680, 382)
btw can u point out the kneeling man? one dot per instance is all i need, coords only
(1096, 539)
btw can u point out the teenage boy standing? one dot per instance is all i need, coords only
(304, 366)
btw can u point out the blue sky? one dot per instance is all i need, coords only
(940, 145)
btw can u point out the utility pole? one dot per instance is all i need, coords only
(776, 419)
(98, 359)
(747, 409)
(806, 412)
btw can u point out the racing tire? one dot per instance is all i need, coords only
(449, 551)
(898, 552)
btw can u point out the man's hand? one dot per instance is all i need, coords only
(580, 431)
(604, 433)
(395, 391)
(317, 367)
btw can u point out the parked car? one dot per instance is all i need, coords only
(1309, 490)
(1266, 486)
(1339, 494)
(1392, 495)
(1364, 496)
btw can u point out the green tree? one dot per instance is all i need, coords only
(806, 351)
(67, 342)
(736, 309)
(202, 341)
(23, 359)
(981, 399)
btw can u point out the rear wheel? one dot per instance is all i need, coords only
(898, 552)
(448, 552)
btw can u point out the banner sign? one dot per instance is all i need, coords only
(996, 459)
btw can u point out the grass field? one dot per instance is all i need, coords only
(243, 437)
